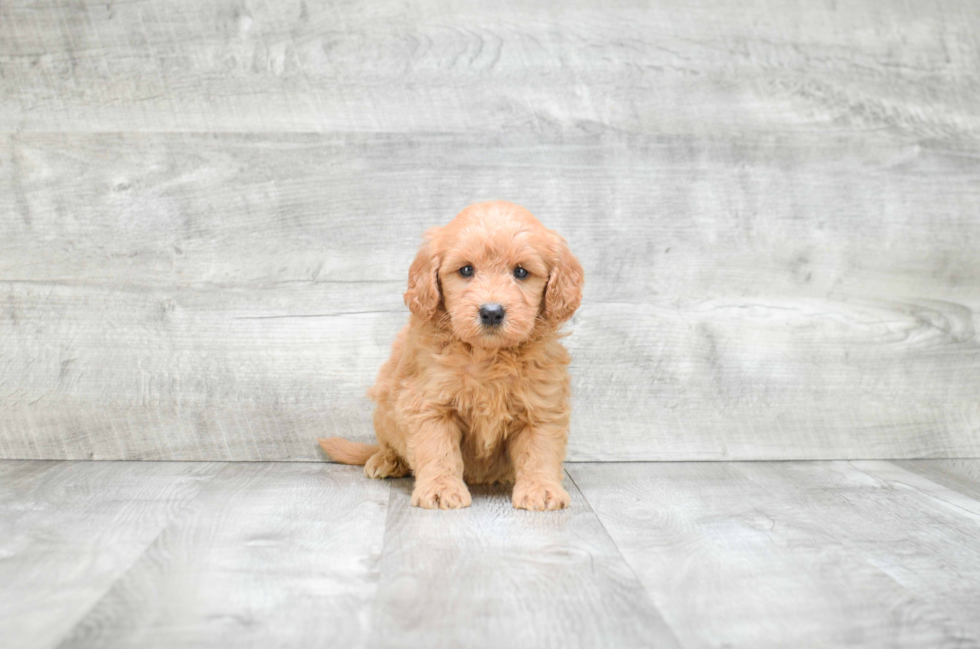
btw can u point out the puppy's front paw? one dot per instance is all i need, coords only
(538, 496)
(441, 493)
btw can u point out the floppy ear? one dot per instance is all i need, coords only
(422, 296)
(563, 294)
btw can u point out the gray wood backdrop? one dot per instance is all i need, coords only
(207, 212)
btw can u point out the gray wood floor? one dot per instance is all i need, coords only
(755, 555)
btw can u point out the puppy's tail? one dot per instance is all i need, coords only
(347, 452)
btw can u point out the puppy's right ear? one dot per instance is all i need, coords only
(422, 296)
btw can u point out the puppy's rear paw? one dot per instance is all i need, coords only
(539, 496)
(441, 493)
(385, 464)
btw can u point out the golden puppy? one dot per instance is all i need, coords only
(476, 389)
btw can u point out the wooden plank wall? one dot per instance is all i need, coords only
(207, 212)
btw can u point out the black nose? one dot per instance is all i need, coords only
(492, 314)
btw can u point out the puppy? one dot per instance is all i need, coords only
(476, 389)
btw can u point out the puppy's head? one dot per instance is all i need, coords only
(494, 276)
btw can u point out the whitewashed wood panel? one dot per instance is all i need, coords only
(669, 66)
(270, 554)
(69, 530)
(778, 554)
(491, 576)
(231, 297)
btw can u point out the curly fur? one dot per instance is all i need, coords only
(458, 403)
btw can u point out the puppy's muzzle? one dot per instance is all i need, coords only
(492, 314)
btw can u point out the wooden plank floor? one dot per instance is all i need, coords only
(824, 554)
(763, 554)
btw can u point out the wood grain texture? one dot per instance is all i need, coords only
(561, 67)
(814, 554)
(959, 475)
(68, 530)
(921, 534)
(491, 576)
(267, 555)
(231, 297)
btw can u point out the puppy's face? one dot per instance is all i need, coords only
(493, 278)
(493, 275)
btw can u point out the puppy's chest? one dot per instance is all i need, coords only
(487, 400)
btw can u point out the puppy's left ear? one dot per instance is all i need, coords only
(563, 294)
(423, 296)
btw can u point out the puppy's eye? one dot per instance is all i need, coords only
(466, 271)
(520, 273)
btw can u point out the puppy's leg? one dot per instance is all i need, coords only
(438, 465)
(537, 453)
(385, 464)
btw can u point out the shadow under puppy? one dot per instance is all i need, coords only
(477, 389)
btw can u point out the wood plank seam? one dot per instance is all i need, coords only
(389, 512)
(626, 562)
(969, 508)
(108, 588)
